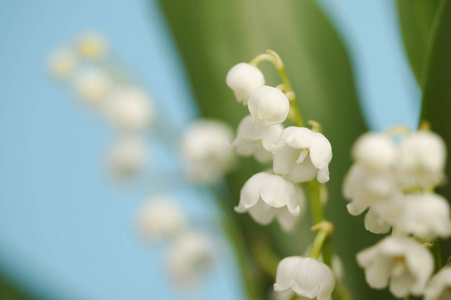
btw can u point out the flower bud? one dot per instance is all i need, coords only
(62, 63)
(127, 157)
(375, 151)
(92, 45)
(92, 86)
(244, 79)
(269, 106)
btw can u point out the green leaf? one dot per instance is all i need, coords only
(416, 18)
(437, 89)
(215, 35)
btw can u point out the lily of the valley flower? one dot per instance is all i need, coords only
(267, 196)
(207, 152)
(127, 157)
(189, 258)
(307, 277)
(160, 217)
(244, 79)
(63, 63)
(406, 264)
(93, 86)
(425, 215)
(257, 140)
(302, 155)
(439, 287)
(268, 106)
(92, 45)
(375, 151)
(130, 109)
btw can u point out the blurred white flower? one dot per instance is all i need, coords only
(363, 188)
(375, 151)
(62, 63)
(421, 158)
(207, 152)
(302, 155)
(404, 262)
(190, 258)
(93, 86)
(380, 216)
(337, 264)
(244, 79)
(268, 106)
(307, 277)
(130, 109)
(160, 217)
(425, 215)
(439, 287)
(257, 140)
(127, 157)
(92, 45)
(266, 196)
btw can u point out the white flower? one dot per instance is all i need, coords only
(160, 217)
(302, 155)
(306, 276)
(92, 45)
(375, 151)
(207, 152)
(421, 158)
(266, 196)
(380, 216)
(363, 188)
(257, 140)
(130, 109)
(189, 258)
(268, 105)
(426, 216)
(62, 63)
(439, 287)
(127, 157)
(244, 79)
(93, 86)
(402, 261)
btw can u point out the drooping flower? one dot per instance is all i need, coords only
(93, 86)
(207, 152)
(190, 257)
(403, 262)
(127, 157)
(92, 45)
(257, 140)
(302, 155)
(306, 276)
(267, 196)
(439, 287)
(421, 158)
(62, 63)
(130, 109)
(160, 217)
(375, 151)
(244, 79)
(268, 105)
(424, 215)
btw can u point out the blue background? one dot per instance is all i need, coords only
(66, 231)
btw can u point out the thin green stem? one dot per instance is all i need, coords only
(316, 207)
(435, 249)
(317, 246)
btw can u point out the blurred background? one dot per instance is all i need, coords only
(66, 229)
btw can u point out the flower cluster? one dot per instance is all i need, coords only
(87, 67)
(394, 178)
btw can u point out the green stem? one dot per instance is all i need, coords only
(316, 208)
(435, 249)
(317, 246)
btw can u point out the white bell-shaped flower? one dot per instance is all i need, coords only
(302, 155)
(267, 196)
(130, 109)
(363, 188)
(255, 139)
(207, 152)
(93, 86)
(244, 79)
(375, 151)
(403, 262)
(127, 157)
(306, 276)
(160, 217)
(379, 218)
(190, 258)
(62, 63)
(268, 106)
(421, 158)
(439, 287)
(425, 215)
(92, 45)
